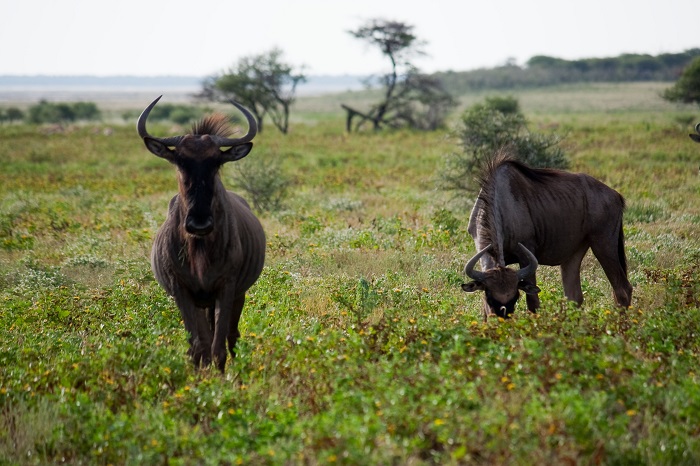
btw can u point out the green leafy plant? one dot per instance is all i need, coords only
(492, 126)
(687, 88)
(359, 299)
(263, 180)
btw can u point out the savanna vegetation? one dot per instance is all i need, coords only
(358, 346)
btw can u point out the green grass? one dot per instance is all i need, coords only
(358, 346)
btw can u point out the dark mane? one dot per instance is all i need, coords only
(213, 125)
(505, 157)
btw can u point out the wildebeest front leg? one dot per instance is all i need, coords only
(233, 333)
(197, 326)
(532, 299)
(224, 307)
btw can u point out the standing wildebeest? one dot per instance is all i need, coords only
(542, 216)
(211, 248)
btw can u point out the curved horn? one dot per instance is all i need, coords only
(141, 126)
(531, 267)
(697, 128)
(469, 268)
(252, 129)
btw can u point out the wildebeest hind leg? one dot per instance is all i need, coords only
(196, 325)
(607, 254)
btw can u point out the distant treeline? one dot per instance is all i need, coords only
(102, 81)
(69, 112)
(547, 71)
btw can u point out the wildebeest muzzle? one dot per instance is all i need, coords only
(199, 225)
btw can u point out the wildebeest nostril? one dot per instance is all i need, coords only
(199, 226)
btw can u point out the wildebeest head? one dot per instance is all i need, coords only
(501, 285)
(696, 137)
(198, 157)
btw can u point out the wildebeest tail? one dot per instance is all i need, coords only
(621, 249)
(621, 239)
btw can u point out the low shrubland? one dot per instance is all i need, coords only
(358, 346)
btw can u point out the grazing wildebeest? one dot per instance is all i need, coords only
(696, 137)
(211, 248)
(542, 216)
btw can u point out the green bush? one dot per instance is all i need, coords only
(507, 105)
(50, 112)
(687, 89)
(11, 114)
(85, 111)
(263, 180)
(489, 127)
(180, 114)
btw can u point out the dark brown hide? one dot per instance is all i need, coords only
(211, 248)
(555, 215)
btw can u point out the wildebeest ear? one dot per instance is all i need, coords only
(695, 137)
(236, 152)
(528, 288)
(160, 149)
(471, 287)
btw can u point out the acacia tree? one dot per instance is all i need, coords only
(420, 102)
(410, 98)
(263, 83)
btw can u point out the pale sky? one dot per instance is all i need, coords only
(204, 37)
